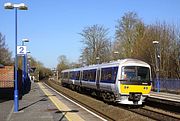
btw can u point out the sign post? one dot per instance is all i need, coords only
(21, 50)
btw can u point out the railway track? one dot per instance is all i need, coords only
(150, 113)
(108, 118)
(156, 115)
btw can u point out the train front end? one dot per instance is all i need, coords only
(134, 82)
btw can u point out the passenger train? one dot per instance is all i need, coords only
(126, 81)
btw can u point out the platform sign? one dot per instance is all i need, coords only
(21, 50)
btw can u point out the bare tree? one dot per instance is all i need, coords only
(5, 54)
(176, 53)
(39, 70)
(166, 34)
(134, 39)
(62, 63)
(96, 44)
(126, 33)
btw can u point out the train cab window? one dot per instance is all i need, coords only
(135, 73)
(143, 73)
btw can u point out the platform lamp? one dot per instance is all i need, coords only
(98, 60)
(27, 61)
(20, 6)
(157, 59)
(28, 86)
(116, 54)
(24, 66)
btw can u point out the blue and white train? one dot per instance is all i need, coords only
(126, 81)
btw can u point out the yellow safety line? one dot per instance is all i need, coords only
(71, 116)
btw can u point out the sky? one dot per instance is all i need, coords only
(53, 26)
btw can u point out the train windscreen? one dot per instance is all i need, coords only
(135, 73)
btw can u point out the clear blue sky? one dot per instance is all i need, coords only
(52, 26)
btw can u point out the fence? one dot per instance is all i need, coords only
(168, 85)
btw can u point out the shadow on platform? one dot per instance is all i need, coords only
(65, 112)
(43, 99)
(6, 94)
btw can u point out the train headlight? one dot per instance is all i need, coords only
(145, 88)
(126, 87)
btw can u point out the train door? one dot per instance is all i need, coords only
(81, 77)
(98, 79)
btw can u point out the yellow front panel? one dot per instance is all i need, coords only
(126, 89)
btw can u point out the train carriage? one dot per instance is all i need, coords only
(126, 81)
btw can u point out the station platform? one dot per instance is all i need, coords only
(165, 96)
(43, 104)
(34, 106)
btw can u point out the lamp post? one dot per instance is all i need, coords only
(20, 6)
(27, 65)
(98, 59)
(157, 59)
(24, 67)
(115, 54)
(28, 62)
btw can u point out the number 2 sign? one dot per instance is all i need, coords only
(21, 50)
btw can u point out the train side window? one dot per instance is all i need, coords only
(71, 75)
(62, 75)
(77, 75)
(114, 74)
(108, 75)
(66, 75)
(92, 75)
(89, 75)
(81, 75)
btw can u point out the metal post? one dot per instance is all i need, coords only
(16, 96)
(21, 6)
(23, 77)
(157, 59)
(57, 74)
(25, 67)
(97, 60)
(115, 55)
(158, 69)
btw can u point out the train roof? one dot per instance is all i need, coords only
(123, 62)
(133, 62)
